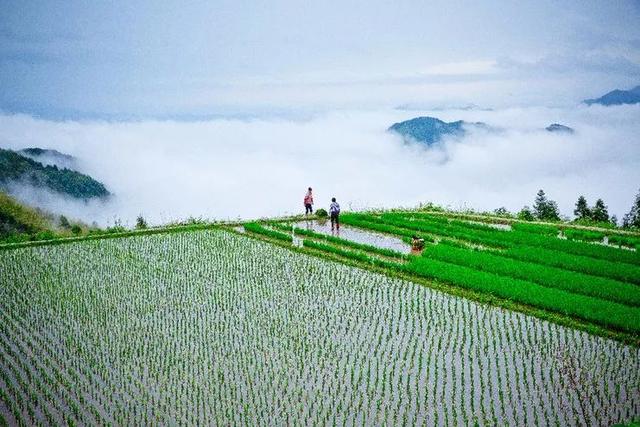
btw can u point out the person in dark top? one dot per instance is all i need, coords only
(334, 212)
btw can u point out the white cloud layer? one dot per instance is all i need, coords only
(225, 169)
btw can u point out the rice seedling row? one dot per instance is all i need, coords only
(545, 230)
(593, 267)
(494, 262)
(501, 238)
(554, 258)
(584, 235)
(605, 313)
(568, 284)
(628, 241)
(211, 327)
(254, 227)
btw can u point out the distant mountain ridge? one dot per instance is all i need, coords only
(431, 130)
(617, 97)
(16, 168)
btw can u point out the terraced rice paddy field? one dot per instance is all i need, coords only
(215, 327)
(578, 276)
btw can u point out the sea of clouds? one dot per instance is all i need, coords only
(233, 168)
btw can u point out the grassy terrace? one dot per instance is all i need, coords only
(559, 275)
(553, 272)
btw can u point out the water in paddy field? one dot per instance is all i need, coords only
(356, 235)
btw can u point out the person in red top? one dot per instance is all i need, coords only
(308, 202)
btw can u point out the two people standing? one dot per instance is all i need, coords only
(334, 208)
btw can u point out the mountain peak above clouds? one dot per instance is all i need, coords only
(431, 130)
(557, 127)
(617, 97)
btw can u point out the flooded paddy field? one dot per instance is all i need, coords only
(358, 235)
(211, 327)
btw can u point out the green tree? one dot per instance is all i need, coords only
(64, 222)
(525, 214)
(600, 213)
(545, 209)
(141, 223)
(502, 211)
(632, 219)
(614, 220)
(553, 213)
(540, 204)
(582, 210)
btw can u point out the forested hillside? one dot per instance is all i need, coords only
(17, 169)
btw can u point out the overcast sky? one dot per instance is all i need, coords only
(176, 58)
